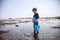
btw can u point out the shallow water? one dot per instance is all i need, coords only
(24, 31)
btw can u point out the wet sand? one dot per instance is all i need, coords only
(24, 31)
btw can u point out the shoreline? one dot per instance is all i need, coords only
(15, 21)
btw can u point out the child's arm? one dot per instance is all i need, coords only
(37, 17)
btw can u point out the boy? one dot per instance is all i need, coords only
(35, 18)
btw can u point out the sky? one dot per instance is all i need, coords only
(23, 8)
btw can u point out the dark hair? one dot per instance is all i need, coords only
(34, 9)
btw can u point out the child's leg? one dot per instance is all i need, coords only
(36, 31)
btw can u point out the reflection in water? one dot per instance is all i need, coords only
(35, 35)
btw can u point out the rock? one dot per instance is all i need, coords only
(17, 25)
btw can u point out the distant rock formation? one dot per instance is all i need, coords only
(57, 17)
(50, 18)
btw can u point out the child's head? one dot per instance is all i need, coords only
(34, 10)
